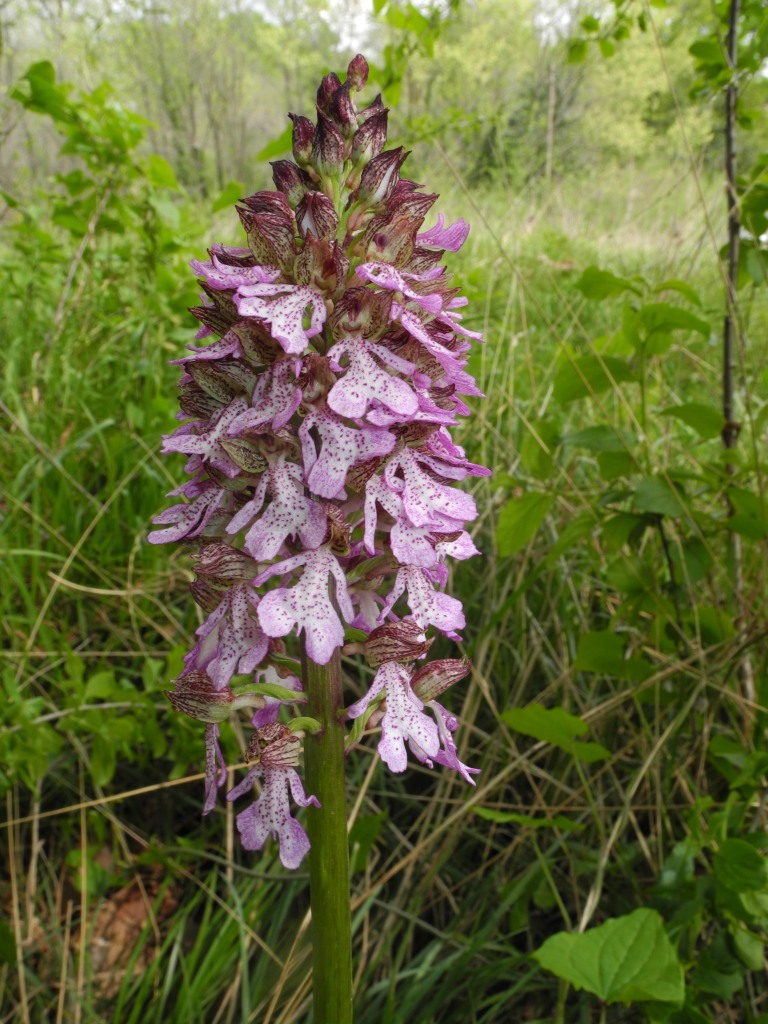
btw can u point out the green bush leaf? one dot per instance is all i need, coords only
(626, 960)
(706, 420)
(555, 726)
(661, 318)
(233, 191)
(590, 375)
(740, 867)
(519, 521)
(654, 494)
(527, 820)
(599, 284)
(601, 438)
(161, 173)
(603, 651)
(279, 145)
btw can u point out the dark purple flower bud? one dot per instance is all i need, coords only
(303, 132)
(223, 379)
(316, 378)
(343, 111)
(370, 110)
(401, 641)
(246, 455)
(258, 345)
(271, 236)
(338, 529)
(268, 202)
(291, 181)
(321, 264)
(195, 402)
(369, 140)
(205, 595)
(195, 696)
(224, 564)
(429, 681)
(361, 311)
(327, 147)
(379, 178)
(274, 746)
(316, 213)
(357, 72)
(328, 88)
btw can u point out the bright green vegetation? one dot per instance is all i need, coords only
(618, 703)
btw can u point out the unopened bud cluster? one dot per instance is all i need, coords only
(321, 470)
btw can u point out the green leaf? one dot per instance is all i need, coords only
(661, 318)
(305, 724)
(626, 960)
(601, 439)
(519, 522)
(354, 636)
(740, 867)
(103, 759)
(590, 375)
(613, 465)
(7, 944)
(607, 47)
(603, 651)
(281, 693)
(528, 821)
(279, 145)
(682, 287)
(233, 191)
(555, 726)
(598, 284)
(537, 448)
(577, 51)
(655, 494)
(363, 834)
(161, 173)
(706, 420)
(99, 686)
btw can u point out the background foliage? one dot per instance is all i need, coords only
(610, 865)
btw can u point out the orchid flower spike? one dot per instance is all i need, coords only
(321, 493)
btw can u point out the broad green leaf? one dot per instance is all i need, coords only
(99, 686)
(706, 420)
(655, 494)
(626, 960)
(708, 51)
(603, 651)
(520, 520)
(749, 947)
(271, 690)
(602, 284)
(577, 51)
(590, 375)
(279, 145)
(161, 173)
(103, 759)
(537, 448)
(305, 724)
(528, 821)
(555, 726)
(607, 47)
(682, 287)
(602, 438)
(363, 834)
(233, 191)
(7, 944)
(613, 465)
(661, 318)
(740, 867)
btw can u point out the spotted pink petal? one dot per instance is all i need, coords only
(275, 399)
(424, 499)
(283, 307)
(451, 238)
(207, 443)
(215, 767)
(307, 605)
(364, 382)
(188, 520)
(231, 638)
(427, 605)
(404, 718)
(290, 513)
(221, 276)
(341, 448)
(270, 814)
(229, 345)
(385, 275)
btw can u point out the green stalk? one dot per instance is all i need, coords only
(329, 856)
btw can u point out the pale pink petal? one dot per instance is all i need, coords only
(283, 307)
(341, 448)
(275, 399)
(221, 276)
(451, 238)
(364, 382)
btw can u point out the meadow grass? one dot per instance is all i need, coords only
(447, 904)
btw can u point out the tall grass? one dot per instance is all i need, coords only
(447, 904)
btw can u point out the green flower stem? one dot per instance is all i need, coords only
(329, 856)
